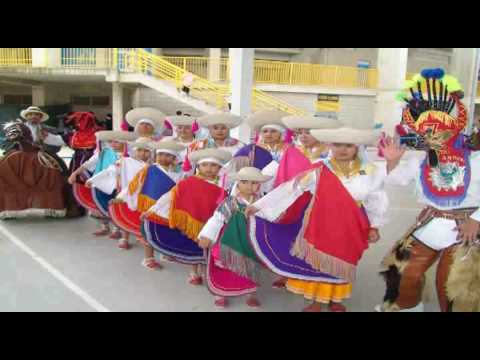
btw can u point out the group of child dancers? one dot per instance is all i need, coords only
(193, 198)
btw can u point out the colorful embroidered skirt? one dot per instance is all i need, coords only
(171, 242)
(320, 291)
(125, 219)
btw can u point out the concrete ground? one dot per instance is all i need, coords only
(56, 265)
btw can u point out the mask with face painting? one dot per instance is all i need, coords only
(439, 119)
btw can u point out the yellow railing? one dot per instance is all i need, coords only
(264, 101)
(210, 92)
(78, 57)
(15, 56)
(174, 68)
(201, 66)
(287, 73)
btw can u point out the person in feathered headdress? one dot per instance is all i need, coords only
(447, 184)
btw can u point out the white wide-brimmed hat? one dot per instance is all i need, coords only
(181, 120)
(229, 120)
(310, 122)
(251, 174)
(120, 136)
(147, 115)
(141, 143)
(217, 156)
(36, 110)
(168, 146)
(264, 118)
(346, 135)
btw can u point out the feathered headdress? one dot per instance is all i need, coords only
(430, 98)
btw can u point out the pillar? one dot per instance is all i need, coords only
(102, 57)
(466, 66)
(39, 95)
(117, 105)
(241, 75)
(54, 57)
(39, 57)
(214, 64)
(392, 73)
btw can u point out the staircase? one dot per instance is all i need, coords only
(140, 66)
(132, 65)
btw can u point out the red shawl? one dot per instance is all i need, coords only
(194, 201)
(335, 233)
(86, 127)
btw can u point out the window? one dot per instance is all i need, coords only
(81, 100)
(17, 100)
(91, 100)
(100, 101)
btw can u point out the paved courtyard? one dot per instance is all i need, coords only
(56, 265)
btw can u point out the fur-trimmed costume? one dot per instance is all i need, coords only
(448, 183)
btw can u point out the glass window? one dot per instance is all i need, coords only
(100, 101)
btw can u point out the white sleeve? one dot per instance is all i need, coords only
(270, 170)
(162, 206)
(404, 173)
(123, 195)
(272, 205)
(91, 163)
(476, 215)
(105, 180)
(54, 140)
(376, 206)
(378, 178)
(211, 230)
(131, 199)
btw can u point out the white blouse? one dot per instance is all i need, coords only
(438, 234)
(367, 188)
(124, 170)
(214, 225)
(91, 163)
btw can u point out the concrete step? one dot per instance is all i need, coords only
(166, 98)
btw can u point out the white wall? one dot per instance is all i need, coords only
(419, 58)
(146, 97)
(355, 110)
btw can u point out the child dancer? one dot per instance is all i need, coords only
(233, 269)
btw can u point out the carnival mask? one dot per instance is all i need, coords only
(17, 131)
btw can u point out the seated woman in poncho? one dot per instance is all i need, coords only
(32, 182)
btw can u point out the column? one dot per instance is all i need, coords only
(39, 57)
(54, 57)
(466, 66)
(392, 73)
(117, 105)
(102, 57)
(39, 95)
(241, 75)
(214, 64)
